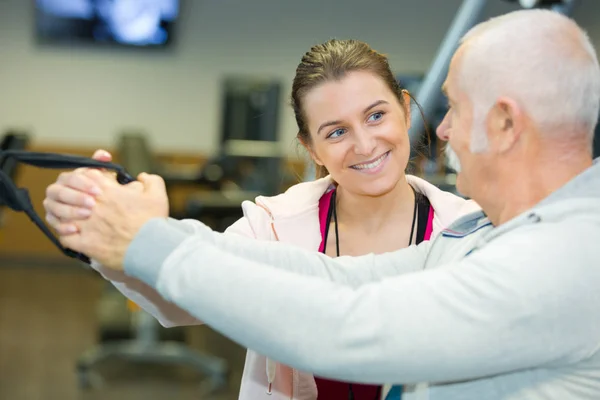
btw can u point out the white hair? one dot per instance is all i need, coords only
(452, 159)
(542, 60)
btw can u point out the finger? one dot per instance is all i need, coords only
(79, 180)
(102, 155)
(100, 179)
(73, 241)
(152, 183)
(65, 212)
(69, 196)
(135, 185)
(105, 156)
(62, 228)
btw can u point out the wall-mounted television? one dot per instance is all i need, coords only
(136, 23)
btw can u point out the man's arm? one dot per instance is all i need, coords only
(491, 313)
(146, 297)
(242, 240)
(351, 271)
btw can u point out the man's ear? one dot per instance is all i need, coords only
(310, 151)
(505, 124)
(406, 97)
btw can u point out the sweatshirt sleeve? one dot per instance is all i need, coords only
(146, 297)
(511, 305)
(347, 270)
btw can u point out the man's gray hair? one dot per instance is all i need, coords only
(541, 59)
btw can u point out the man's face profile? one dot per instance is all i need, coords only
(456, 126)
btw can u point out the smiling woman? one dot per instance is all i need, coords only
(353, 118)
(360, 132)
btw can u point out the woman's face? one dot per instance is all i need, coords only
(359, 132)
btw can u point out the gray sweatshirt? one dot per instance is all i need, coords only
(481, 313)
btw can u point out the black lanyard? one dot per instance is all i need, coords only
(417, 212)
(18, 199)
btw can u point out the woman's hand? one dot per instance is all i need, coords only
(72, 197)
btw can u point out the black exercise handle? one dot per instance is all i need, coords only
(63, 161)
(18, 198)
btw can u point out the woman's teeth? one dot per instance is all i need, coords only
(372, 164)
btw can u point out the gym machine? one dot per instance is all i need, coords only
(150, 342)
(250, 160)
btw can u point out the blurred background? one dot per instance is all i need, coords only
(197, 91)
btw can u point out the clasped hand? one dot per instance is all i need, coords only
(95, 215)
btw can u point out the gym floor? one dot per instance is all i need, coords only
(48, 318)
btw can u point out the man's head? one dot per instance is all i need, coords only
(520, 86)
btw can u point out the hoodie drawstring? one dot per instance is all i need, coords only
(271, 372)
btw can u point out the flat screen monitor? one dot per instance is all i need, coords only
(134, 23)
(250, 109)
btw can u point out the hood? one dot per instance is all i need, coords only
(585, 186)
(447, 206)
(305, 196)
(297, 199)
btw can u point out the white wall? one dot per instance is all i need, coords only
(85, 96)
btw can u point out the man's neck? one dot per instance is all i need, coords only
(370, 213)
(526, 185)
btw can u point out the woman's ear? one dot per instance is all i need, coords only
(310, 151)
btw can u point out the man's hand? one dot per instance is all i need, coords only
(72, 197)
(119, 213)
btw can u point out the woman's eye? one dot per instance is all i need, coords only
(336, 133)
(376, 116)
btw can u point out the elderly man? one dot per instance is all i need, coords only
(502, 305)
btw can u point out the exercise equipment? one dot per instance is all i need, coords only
(18, 198)
(135, 149)
(250, 109)
(250, 152)
(144, 340)
(429, 94)
(11, 141)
